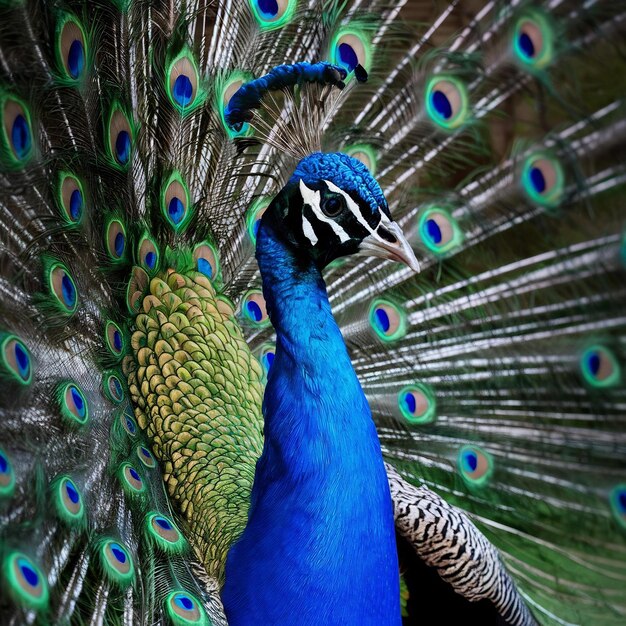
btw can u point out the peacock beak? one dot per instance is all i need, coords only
(388, 242)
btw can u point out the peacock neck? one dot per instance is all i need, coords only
(298, 305)
(319, 546)
(311, 364)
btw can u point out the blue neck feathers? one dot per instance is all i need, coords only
(319, 547)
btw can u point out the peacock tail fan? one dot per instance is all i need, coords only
(134, 337)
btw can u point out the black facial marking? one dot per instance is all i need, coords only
(372, 218)
(386, 235)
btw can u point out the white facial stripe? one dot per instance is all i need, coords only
(312, 198)
(384, 219)
(308, 231)
(352, 205)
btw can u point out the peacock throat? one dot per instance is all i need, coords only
(196, 391)
(320, 500)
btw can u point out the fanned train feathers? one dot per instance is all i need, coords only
(134, 339)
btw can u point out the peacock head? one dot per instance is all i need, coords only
(333, 207)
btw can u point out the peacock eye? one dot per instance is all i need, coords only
(7, 476)
(475, 465)
(26, 580)
(68, 501)
(184, 610)
(116, 562)
(533, 41)
(333, 205)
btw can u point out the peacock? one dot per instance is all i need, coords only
(312, 312)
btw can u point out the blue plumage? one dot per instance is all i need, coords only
(319, 547)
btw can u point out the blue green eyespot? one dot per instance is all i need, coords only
(62, 287)
(182, 81)
(475, 466)
(207, 260)
(15, 359)
(17, 134)
(117, 564)
(254, 215)
(253, 308)
(113, 388)
(116, 240)
(145, 456)
(271, 14)
(266, 356)
(387, 319)
(225, 93)
(447, 102)
(72, 403)
(417, 404)
(439, 231)
(71, 49)
(164, 533)
(599, 367)
(351, 47)
(543, 179)
(26, 581)
(128, 422)
(533, 41)
(68, 500)
(71, 198)
(114, 338)
(131, 480)
(175, 203)
(7, 475)
(183, 609)
(148, 254)
(120, 137)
